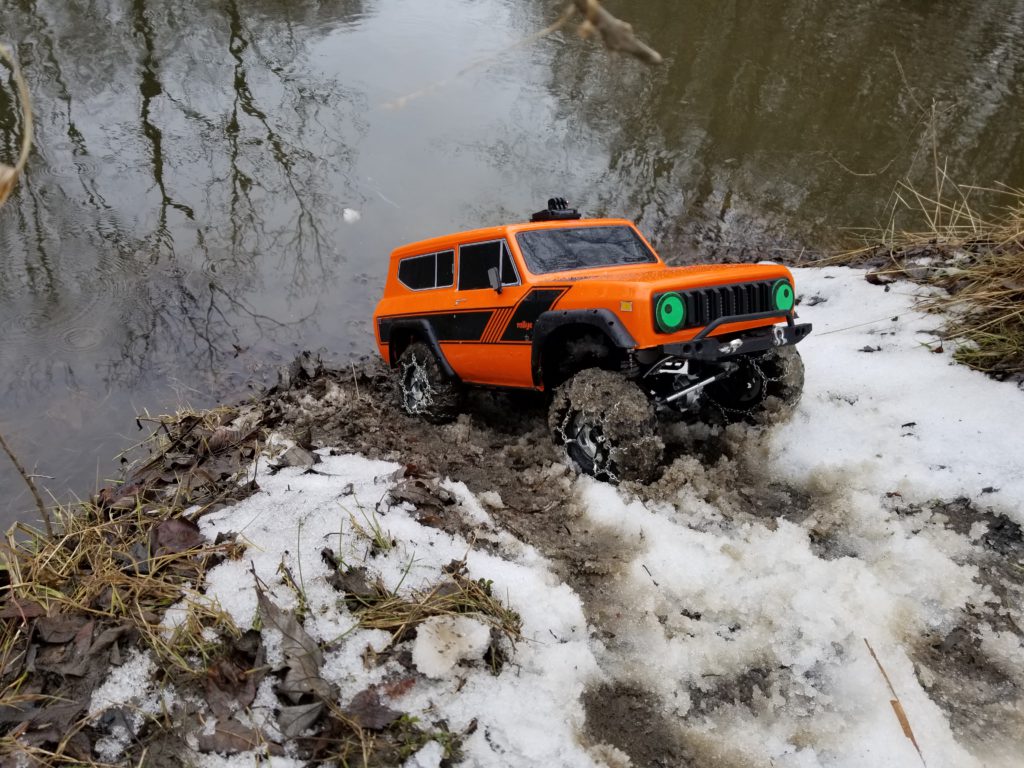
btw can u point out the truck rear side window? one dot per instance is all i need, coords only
(434, 270)
(556, 250)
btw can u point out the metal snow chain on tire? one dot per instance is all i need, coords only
(428, 391)
(611, 476)
(743, 411)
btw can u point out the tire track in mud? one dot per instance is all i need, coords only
(504, 447)
(500, 444)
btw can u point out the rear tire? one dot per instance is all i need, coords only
(424, 389)
(772, 381)
(606, 426)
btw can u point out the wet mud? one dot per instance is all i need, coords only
(501, 444)
(500, 447)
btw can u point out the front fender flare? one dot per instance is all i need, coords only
(604, 320)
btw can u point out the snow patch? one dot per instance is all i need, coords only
(444, 641)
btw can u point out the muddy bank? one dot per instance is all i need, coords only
(132, 551)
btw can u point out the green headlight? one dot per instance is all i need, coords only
(670, 312)
(782, 295)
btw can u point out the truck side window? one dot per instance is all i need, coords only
(434, 270)
(474, 261)
(418, 272)
(508, 270)
(477, 258)
(445, 269)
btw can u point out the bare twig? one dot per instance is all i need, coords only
(897, 705)
(9, 174)
(616, 33)
(30, 483)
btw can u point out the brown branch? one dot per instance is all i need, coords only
(9, 174)
(616, 33)
(30, 483)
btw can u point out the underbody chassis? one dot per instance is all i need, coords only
(674, 375)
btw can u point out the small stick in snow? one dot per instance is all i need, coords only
(897, 705)
(650, 574)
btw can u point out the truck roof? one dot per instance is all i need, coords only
(443, 242)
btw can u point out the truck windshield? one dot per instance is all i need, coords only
(557, 250)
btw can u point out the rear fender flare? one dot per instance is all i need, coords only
(418, 328)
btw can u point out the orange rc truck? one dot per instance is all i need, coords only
(585, 310)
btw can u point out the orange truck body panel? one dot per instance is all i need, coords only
(492, 350)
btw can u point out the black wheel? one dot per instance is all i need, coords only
(771, 381)
(607, 427)
(423, 388)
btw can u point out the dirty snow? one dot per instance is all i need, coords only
(443, 641)
(128, 697)
(749, 631)
(902, 418)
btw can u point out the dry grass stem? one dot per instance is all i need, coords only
(616, 34)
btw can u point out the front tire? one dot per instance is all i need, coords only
(424, 389)
(606, 426)
(771, 381)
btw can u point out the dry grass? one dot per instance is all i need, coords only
(110, 568)
(459, 595)
(96, 566)
(116, 564)
(975, 260)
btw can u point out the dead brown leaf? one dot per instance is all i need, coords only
(175, 536)
(368, 712)
(59, 629)
(21, 609)
(302, 655)
(231, 737)
(295, 720)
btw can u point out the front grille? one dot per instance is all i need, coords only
(705, 305)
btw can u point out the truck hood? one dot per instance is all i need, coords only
(677, 278)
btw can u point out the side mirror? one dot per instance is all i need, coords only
(493, 279)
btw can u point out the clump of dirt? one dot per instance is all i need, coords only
(725, 466)
(998, 553)
(651, 742)
(979, 697)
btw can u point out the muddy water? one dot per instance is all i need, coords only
(216, 185)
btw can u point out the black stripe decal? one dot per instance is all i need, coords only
(533, 305)
(447, 326)
(494, 327)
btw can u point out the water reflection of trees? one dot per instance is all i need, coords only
(181, 162)
(784, 111)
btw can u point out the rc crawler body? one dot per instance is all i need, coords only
(586, 310)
